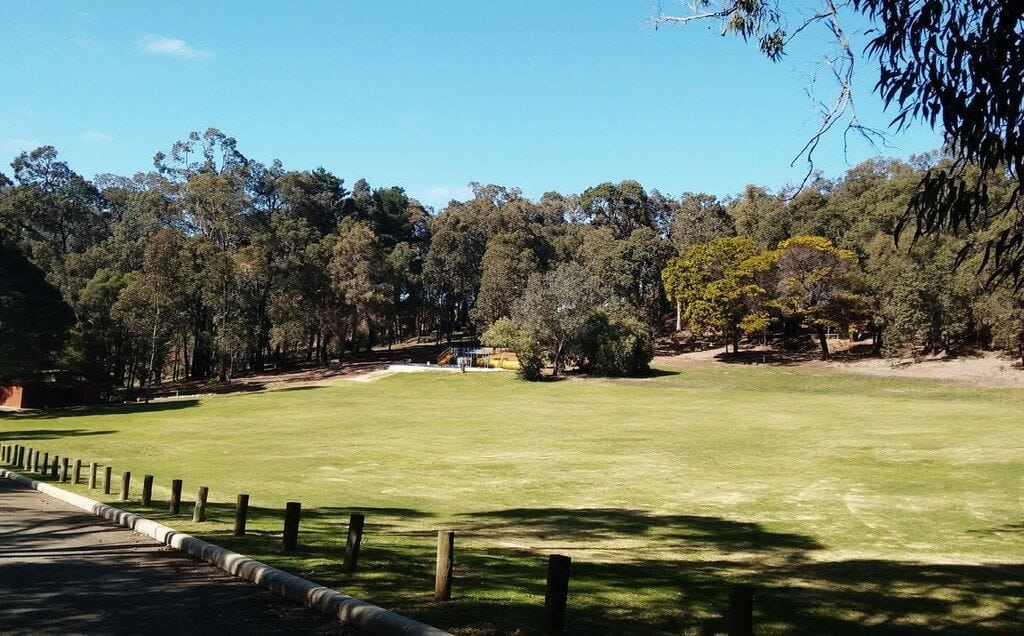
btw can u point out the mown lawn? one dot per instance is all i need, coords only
(848, 502)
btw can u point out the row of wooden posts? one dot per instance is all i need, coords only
(556, 594)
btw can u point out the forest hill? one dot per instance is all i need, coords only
(213, 264)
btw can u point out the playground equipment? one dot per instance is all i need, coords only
(478, 357)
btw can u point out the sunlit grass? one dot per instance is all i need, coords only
(850, 502)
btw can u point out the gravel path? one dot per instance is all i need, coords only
(64, 571)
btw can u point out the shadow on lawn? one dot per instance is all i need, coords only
(678, 585)
(45, 434)
(567, 524)
(113, 409)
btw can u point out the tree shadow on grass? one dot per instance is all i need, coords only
(569, 524)
(654, 372)
(678, 582)
(106, 410)
(47, 434)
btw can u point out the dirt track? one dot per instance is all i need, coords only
(64, 571)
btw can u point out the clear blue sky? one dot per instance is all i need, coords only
(427, 95)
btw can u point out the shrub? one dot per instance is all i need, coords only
(616, 346)
(505, 334)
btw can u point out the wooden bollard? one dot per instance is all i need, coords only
(147, 490)
(241, 513)
(292, 512)
(21, 457)
(35, 461)
(741, 610)
(53, 468)
(175, 506)
(199, 513)
(108, 475)
(126, 483)
(76, 473)
(64, 472)
(93, 466)
(26, 458)
(355, 537)
(46, 464)
(3, 453)
(443, 572)
(557, 595)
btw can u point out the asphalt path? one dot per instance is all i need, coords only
(65, 571)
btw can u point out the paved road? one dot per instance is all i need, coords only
(65, 571)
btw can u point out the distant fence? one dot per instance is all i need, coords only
(739, 615)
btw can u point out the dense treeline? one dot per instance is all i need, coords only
(213, 265)
(843, 255)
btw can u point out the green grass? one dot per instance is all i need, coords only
(849, 502)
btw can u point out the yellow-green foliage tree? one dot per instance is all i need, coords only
(718, 287)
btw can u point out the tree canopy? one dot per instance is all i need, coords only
(957, 65)
(214, 264)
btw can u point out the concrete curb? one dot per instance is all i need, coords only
(365, 616)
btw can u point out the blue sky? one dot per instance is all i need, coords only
(427, 95)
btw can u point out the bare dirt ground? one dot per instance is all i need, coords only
(988, 369)
(985, 369)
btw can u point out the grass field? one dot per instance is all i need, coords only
(849, 502)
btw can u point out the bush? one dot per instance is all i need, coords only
(616, 347)
(505, 334)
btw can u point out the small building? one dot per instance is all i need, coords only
(49, 390)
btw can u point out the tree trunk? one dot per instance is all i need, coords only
(152, 347)
(679, 316)
(186, 358)
(823, 341)
(735, 342)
